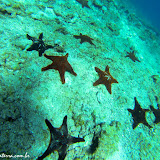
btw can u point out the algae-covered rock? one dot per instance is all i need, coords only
(108, 142)
(46, 14)
(113, 28)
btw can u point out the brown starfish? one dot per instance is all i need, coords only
(38, 44)
(138, 115)
(132, 56)
(156, 113)
(59, 140)
(84, 38)
(61, 64)
(84, 3)
(105, 78)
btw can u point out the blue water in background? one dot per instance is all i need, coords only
(150, 9)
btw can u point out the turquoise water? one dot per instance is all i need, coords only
(116, 37)
(149, 10)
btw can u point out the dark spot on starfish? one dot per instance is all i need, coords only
(138, 115)
(156, 113)
(38, 44)
(132, 56)
(61, 64)
(84, 38)
(84, 3)
(105, 78)
(59, 140)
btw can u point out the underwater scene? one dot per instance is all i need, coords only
(79, 80)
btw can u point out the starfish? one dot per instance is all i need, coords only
(84, 38)
(84, 3)
(60, 140)
(61, 64)
(156, 113)
(105, 78)
(138, 115)
(132, 56)
(38, 44)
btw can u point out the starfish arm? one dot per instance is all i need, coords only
(51, 128)
(82, 41)
(137, 105)
(50, 57)
(70, 69)
(91, 42)
(76, 36)
(49, 46)
(138, 60)
(30, 49)
(55, 135)
(45, 154)
(41, 51)
(97, 82)
(75, 140)
(30, 38)
(100, 72)
(34, 46)
(130, 110)
(156, 113)
(47, 67)
(152, 108)
(66, 56)
(107, 69)
(41, 36)
(114, 81)
(145, 123)
(135, 124)
(108, 87)
(146, 110)
(62, 152)
(65, 120)
(157, 120)
(64, 127)
(61, 72)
